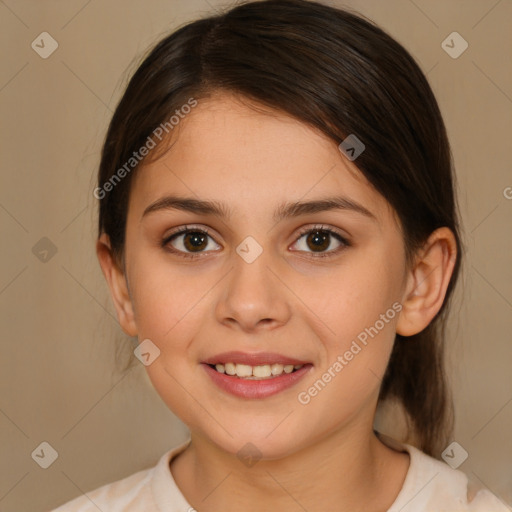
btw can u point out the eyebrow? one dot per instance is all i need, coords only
(283, 211)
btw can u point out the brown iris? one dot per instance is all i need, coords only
(195, 241)
(319, 239)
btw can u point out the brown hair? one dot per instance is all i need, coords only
(337, 72)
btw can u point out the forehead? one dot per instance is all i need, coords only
(251, 157)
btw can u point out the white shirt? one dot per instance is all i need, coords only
(430, 486)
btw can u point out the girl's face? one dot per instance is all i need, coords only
(259, 283)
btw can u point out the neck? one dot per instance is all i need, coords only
(348, 470)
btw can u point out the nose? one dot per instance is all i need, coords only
(253, 298)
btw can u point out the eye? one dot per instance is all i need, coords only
(188, 241)
(319, 239)
(191, 242)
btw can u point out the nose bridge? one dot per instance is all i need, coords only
(252, 296)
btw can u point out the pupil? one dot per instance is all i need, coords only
(320, 239)
(196, 240)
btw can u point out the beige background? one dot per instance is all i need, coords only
(59, 379)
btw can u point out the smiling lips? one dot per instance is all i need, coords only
(254, 375)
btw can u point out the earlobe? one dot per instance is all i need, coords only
(117, 284)
(427, 282)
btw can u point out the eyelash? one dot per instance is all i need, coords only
(193, 229)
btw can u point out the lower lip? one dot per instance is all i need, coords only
(256, 388)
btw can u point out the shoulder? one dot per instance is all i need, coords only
(433, 486)
(140, 491)
(115, 497)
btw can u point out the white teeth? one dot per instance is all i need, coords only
(264, 371)
(276, 369)
(243, 370)
(230, 368)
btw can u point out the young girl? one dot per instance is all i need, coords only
(278, 228)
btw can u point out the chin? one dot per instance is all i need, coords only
(257, 441)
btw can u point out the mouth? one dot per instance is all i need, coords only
(255, 375)
(259, 372)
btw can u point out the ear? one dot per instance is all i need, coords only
(118, 285)
(427, 282)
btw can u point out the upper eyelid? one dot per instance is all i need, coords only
(185, 229)
(323, 227)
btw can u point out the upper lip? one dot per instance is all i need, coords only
(252, 359)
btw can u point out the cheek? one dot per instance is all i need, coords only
(166, 298)
(170, 311)
(349, 376)
(362, 311)
(361, 292)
